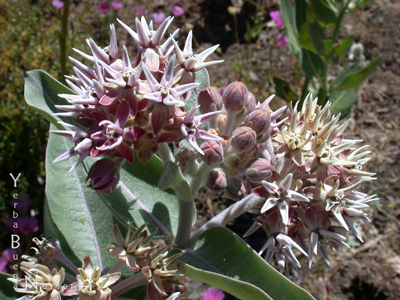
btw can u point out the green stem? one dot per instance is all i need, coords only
(63, 40)
(339, 21)
(186, 211)
(198, 180)
(165, 153)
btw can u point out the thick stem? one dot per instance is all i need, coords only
(165, 153)
(63, 40)
(229, 214)
(69, 277)
(118, 265)
(197, 182)
(62, 258)
(128, 284)
(186, 211)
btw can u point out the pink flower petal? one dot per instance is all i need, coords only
(117, 5)
(177, 11)
(282, 40)
(158, 17)
(276, 16)
(104, 7)
(57, 4)
(213, 293)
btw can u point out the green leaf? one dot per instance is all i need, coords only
(305, 40)
(284, 90)
(341, 49)
(313, 65)
(204, 79)
(289, 19)
(355, 79)
(6, 288)
(301, 13)
(223, 260)
(342, 101)
(325, 12)
(41, 93)
(323, 46)
(83, 219)
(73, 213)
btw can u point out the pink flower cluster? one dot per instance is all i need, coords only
(126, 106)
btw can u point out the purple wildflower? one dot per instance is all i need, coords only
(25, 224)
(117, 5)
(282, 40)
(213, 293)
(158, 17)
(140, 10)
(177, 11)
(276, 16)
(21, 204)
(104, 7)
(57, 4)
(9, 253)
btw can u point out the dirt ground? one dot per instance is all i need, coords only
(366, 271)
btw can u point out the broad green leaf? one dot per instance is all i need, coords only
(341, 49)
(284, 90)
(355, 79)
(73, 213)
(313, 65)
(325, 12)
(83, 219)
(321, 43)
(342, 101)
(289, 19)
(41, 92)
(305, 40)
(6, 288)
(301, 13)
(204, 80)
(223, 260)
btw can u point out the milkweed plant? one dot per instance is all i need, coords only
(134, 138)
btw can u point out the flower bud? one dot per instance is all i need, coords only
(258, 169)
(213, 152)
(250, 103)
(216, 180)
(234, 97)
(104, 175)
(259, 120)
(243, 139)
(236, 188)
(221, 122)
(210, 100)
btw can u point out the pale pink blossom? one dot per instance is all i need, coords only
(282, 40)
(276, 16)
(177, 11)
(140, 10)
(57, 4)
(158, 17)
(213, 293)
(117, 5)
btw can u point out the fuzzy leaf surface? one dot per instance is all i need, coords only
(41, 93)
(222, 259)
